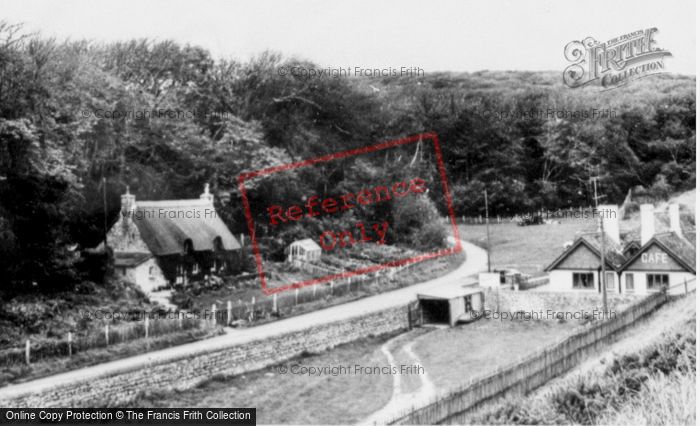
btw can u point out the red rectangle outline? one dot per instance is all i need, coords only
(338, 155)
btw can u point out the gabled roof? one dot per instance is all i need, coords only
(613, 250)
(680, 249)
(166, 225)
(307, 244)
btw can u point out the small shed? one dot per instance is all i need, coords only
(450, 305)
(306, 250)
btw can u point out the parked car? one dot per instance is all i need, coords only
(530, 220)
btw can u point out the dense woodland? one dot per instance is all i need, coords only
(56, 152)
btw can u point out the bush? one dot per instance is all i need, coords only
(417, 223)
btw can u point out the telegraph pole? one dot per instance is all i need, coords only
(104, 210)
(602, 268)
(602, 280)
(488, 232)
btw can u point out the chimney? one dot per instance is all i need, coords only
(647, 216)
(675, 219)
(611, 223)
(206, 195)
(128, 202)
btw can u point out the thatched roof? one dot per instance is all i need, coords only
(166, 225)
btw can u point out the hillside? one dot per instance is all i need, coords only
(80, 121)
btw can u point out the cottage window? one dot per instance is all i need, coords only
(629, 282)
(657, 281)
(610, 281)
(583, 280)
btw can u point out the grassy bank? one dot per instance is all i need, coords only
(288, 396)
(638, 387)
(21, 372)
(47, 319)
(528, 249)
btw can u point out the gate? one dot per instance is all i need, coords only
(415, 315)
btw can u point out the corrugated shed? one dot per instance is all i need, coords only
(166, 225)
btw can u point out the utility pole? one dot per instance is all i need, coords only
(602, 280)
(104, 210)
(488, 232)
(602, 268)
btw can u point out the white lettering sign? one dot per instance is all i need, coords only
(654, 258)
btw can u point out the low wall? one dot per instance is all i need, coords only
(536, 301)
(533, 371)
(187, 372)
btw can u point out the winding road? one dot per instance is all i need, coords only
(475, 262)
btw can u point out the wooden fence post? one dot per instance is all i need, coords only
(179, 320)
(213, 312)
(70, 344)
(26, 352)
(229, 312)
(106, 334)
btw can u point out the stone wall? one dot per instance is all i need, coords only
(536, 301)
(187, 372)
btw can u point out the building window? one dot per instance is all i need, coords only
(629, 283)
(610, 281)
(179, 271)
(583, 280)
(657, 281)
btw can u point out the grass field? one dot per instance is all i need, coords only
(452, 356)
(295, 398)
(646, 377)
(528, 249)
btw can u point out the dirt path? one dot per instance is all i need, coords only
(404, 398)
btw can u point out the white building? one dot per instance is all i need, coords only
(306, 250)
(649, 263)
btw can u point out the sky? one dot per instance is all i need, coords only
(465, 35)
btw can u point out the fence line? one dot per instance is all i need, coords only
(577, 213)
(532, 371)
(283, 303)
(35, 350)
